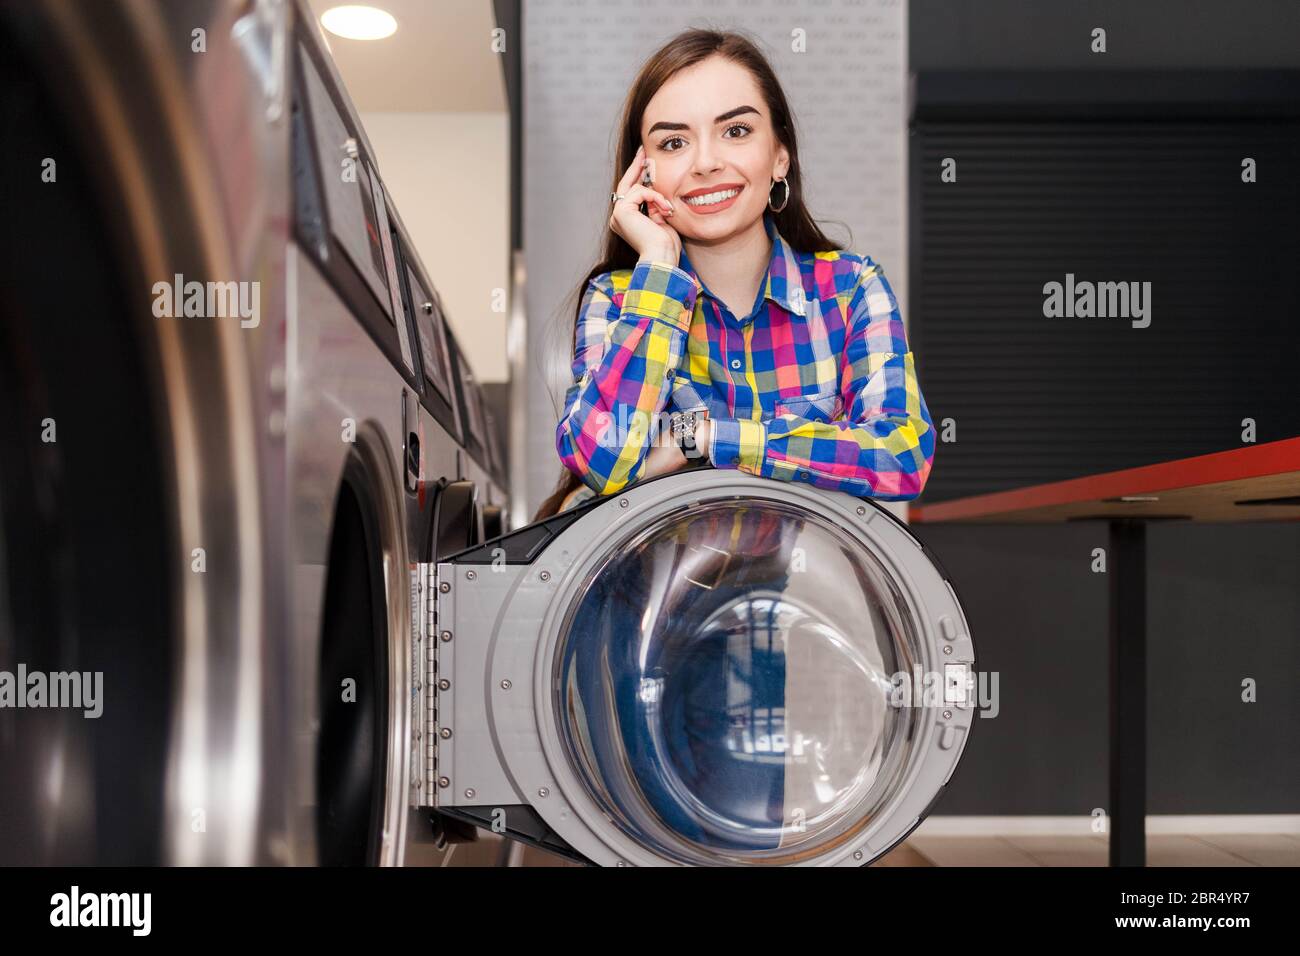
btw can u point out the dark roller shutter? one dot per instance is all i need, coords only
(1115, 178)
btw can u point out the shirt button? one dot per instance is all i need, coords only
(735, 363)
(803, 475)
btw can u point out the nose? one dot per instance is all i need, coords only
(706, 159)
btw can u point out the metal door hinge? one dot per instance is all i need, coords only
(424, 673)
(431, 686)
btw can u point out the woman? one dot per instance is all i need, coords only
(723, 304)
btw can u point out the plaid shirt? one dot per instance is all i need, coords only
(816, 384)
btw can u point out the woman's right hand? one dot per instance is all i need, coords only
(650, 233)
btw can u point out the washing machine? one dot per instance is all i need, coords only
(705, 669)
(241, 427)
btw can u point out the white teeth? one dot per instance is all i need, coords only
(709, 199)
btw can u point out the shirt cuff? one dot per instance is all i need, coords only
(738, 443)
(660, 291)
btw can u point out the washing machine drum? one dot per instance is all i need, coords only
(724, 670)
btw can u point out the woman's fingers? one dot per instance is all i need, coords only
(658, 214)
(639, 194)
(659, 198)
(631, 187)
(651, 231)
(633, 173)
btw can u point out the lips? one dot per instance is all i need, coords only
(705, 190)
(716, 206)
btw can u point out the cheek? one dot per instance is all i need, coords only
(669, 177)
(750, 169)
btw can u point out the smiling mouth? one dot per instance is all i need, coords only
(714, 198)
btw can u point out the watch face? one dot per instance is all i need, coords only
(689, 446)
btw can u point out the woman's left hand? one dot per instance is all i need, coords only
(662, 459)
(667, 457)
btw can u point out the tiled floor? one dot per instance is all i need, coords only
(1247, 849)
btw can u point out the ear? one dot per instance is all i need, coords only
(782, 165)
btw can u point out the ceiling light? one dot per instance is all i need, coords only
(359, 22)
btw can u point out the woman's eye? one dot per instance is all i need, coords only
(745, 130)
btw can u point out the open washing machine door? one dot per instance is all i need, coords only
(707, 669)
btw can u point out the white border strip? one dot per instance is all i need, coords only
(992, 826)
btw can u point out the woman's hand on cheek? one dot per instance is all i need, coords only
(649, 233)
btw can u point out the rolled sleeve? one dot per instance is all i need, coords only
(661, 291)
(738, 443)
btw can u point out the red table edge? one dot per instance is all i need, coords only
(1271, 458)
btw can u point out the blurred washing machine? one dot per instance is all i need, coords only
(241, 426)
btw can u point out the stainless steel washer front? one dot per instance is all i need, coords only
(229, 506)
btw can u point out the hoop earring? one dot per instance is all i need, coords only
(785, 200)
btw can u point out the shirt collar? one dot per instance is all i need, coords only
(783, 283)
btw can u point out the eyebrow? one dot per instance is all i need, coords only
(730, 114)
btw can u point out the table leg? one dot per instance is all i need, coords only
(1128, 679)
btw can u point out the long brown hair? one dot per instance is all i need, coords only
(793, 222)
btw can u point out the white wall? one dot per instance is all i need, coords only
(848, 95)
(449, 176)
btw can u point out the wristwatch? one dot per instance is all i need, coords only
(684, 426)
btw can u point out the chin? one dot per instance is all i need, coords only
(722, 226)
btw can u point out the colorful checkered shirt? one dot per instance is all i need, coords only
(816, 384)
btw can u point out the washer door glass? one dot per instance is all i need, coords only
(725, 685)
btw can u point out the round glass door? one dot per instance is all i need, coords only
(725, 680)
